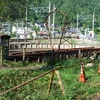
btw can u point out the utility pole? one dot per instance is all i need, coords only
(53, 24)
(49, 15)
(77, 22)
(85, 17)
(41, 10)
(93, 28)
(26, 31)
(93, 23)
(17, 30)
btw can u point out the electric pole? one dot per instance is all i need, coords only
(93, 23)
(53, 24)
(77, 22)
(93, 28)
(26, 30)
(49, 16)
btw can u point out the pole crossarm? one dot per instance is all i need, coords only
(83, 16)
(40, 9)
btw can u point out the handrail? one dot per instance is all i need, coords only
(30, 45)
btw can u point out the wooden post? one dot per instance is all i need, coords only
(59, 46)
(41, 45)
(50, 83)
(47, 45)
(36, 45)
(39, 60)
(1, 57)
(14, 45)
(24, 55)
(79, 53)
(31, 45)
(60, 81)
(53, 52)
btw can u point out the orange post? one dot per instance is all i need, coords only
(99, 70)
(82, 74)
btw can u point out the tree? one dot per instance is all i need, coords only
(11, 10)
(15, 9)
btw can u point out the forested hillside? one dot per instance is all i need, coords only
(11, 10)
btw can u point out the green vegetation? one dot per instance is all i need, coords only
(12, 10)
(37, 90)
(20, 64)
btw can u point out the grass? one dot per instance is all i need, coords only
(37, 90)
(10, 64)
